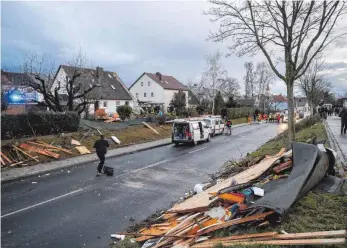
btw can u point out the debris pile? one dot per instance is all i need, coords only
(258, 196)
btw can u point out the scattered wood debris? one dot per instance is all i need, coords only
(149, 126)
(82, 150)
(75, 142)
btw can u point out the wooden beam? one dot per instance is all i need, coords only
(235, 222)
(246, 236)
(2, 161)
(5, 157)
(45, 145)
(28, 155)
(338, 233)
(147, 125)
(41, 151)
(156, 235)
(337, 241)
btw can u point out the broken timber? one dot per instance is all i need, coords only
(5, 157)
(26, 154)
(38, 150)
(147, 125)
(49, 146)
(202, 200)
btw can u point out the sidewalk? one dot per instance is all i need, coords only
(338, 142)
(24, 172)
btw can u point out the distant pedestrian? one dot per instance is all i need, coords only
(100, 147)
(343, 115)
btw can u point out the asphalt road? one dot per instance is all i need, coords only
(74, 208)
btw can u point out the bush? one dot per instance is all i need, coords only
(235, 113)
(124, 111)
(38, 123)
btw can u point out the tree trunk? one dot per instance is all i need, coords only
(291, 115)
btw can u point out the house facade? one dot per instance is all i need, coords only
(110, 94)
(301, 104)
(157, 90)
(278, 103)
(17, 95)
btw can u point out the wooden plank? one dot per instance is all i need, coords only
(75, 142)
(27, 154)
(156, 235)
(339, 233)
(2, 161)
(5, 157)
(41, 151)
(235, 222)
(202, 199)
(45, 145)
(82, 150)
(336, 241)
(245, 236)
(21, 162)
(147, 125)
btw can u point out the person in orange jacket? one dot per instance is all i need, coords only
(265, 117)
(278, 117)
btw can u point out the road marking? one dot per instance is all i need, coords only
(143, 168)
(224, 140)
(198, 149)
(41, 203)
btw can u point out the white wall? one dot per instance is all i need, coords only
(111, 105)
(168, 96)
(138, 91)
(61, 76)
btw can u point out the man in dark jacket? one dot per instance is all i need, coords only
(343, 115)
(100, 147)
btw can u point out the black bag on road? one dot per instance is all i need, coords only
(108, 170)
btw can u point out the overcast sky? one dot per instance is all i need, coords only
(130, 38)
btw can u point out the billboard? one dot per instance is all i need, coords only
(20, 94)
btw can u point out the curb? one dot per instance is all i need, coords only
(335, 146)
(13, 179)
(36, 173)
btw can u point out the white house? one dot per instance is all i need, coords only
(111, 93)
(157, 89)
(301, 104)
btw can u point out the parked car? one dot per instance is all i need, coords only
(215, 124)
(301, 114)
(187, 131)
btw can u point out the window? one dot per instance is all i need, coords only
(112, 86)
(144, 94)
(149, 83)
(141, 83)
(117, 103)
(152, 94)
(105, 104)
(126, 103)
(137, 95)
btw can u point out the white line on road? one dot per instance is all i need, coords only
(38, 204)
(143, 168)
(198, 149)
(224, 140)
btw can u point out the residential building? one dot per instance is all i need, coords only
(110, 94)
(278, 102)
(17, 94)
(157, 90)
(301, 104)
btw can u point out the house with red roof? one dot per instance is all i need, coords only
(156, 89)
(278, 102)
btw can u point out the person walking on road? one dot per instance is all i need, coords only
(100, 147)
(343, 115)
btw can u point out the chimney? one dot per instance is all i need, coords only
(159, 75)
(99, 72)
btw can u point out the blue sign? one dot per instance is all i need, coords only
(21, 95)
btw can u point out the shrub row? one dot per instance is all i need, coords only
(38, 123)
(234, 113)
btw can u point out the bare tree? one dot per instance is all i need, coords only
(313, 83)
(39, 74)
(213, 77)
(229, 87)
(249, 81)
(262, 80)
(286, 28)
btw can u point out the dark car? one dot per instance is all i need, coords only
(301, 115)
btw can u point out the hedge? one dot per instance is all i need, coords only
(38, 123)
(235, 113)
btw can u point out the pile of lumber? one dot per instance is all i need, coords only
(29, 151)
(224, 205)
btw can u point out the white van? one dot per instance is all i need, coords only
(187, 131)
(216, 124)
